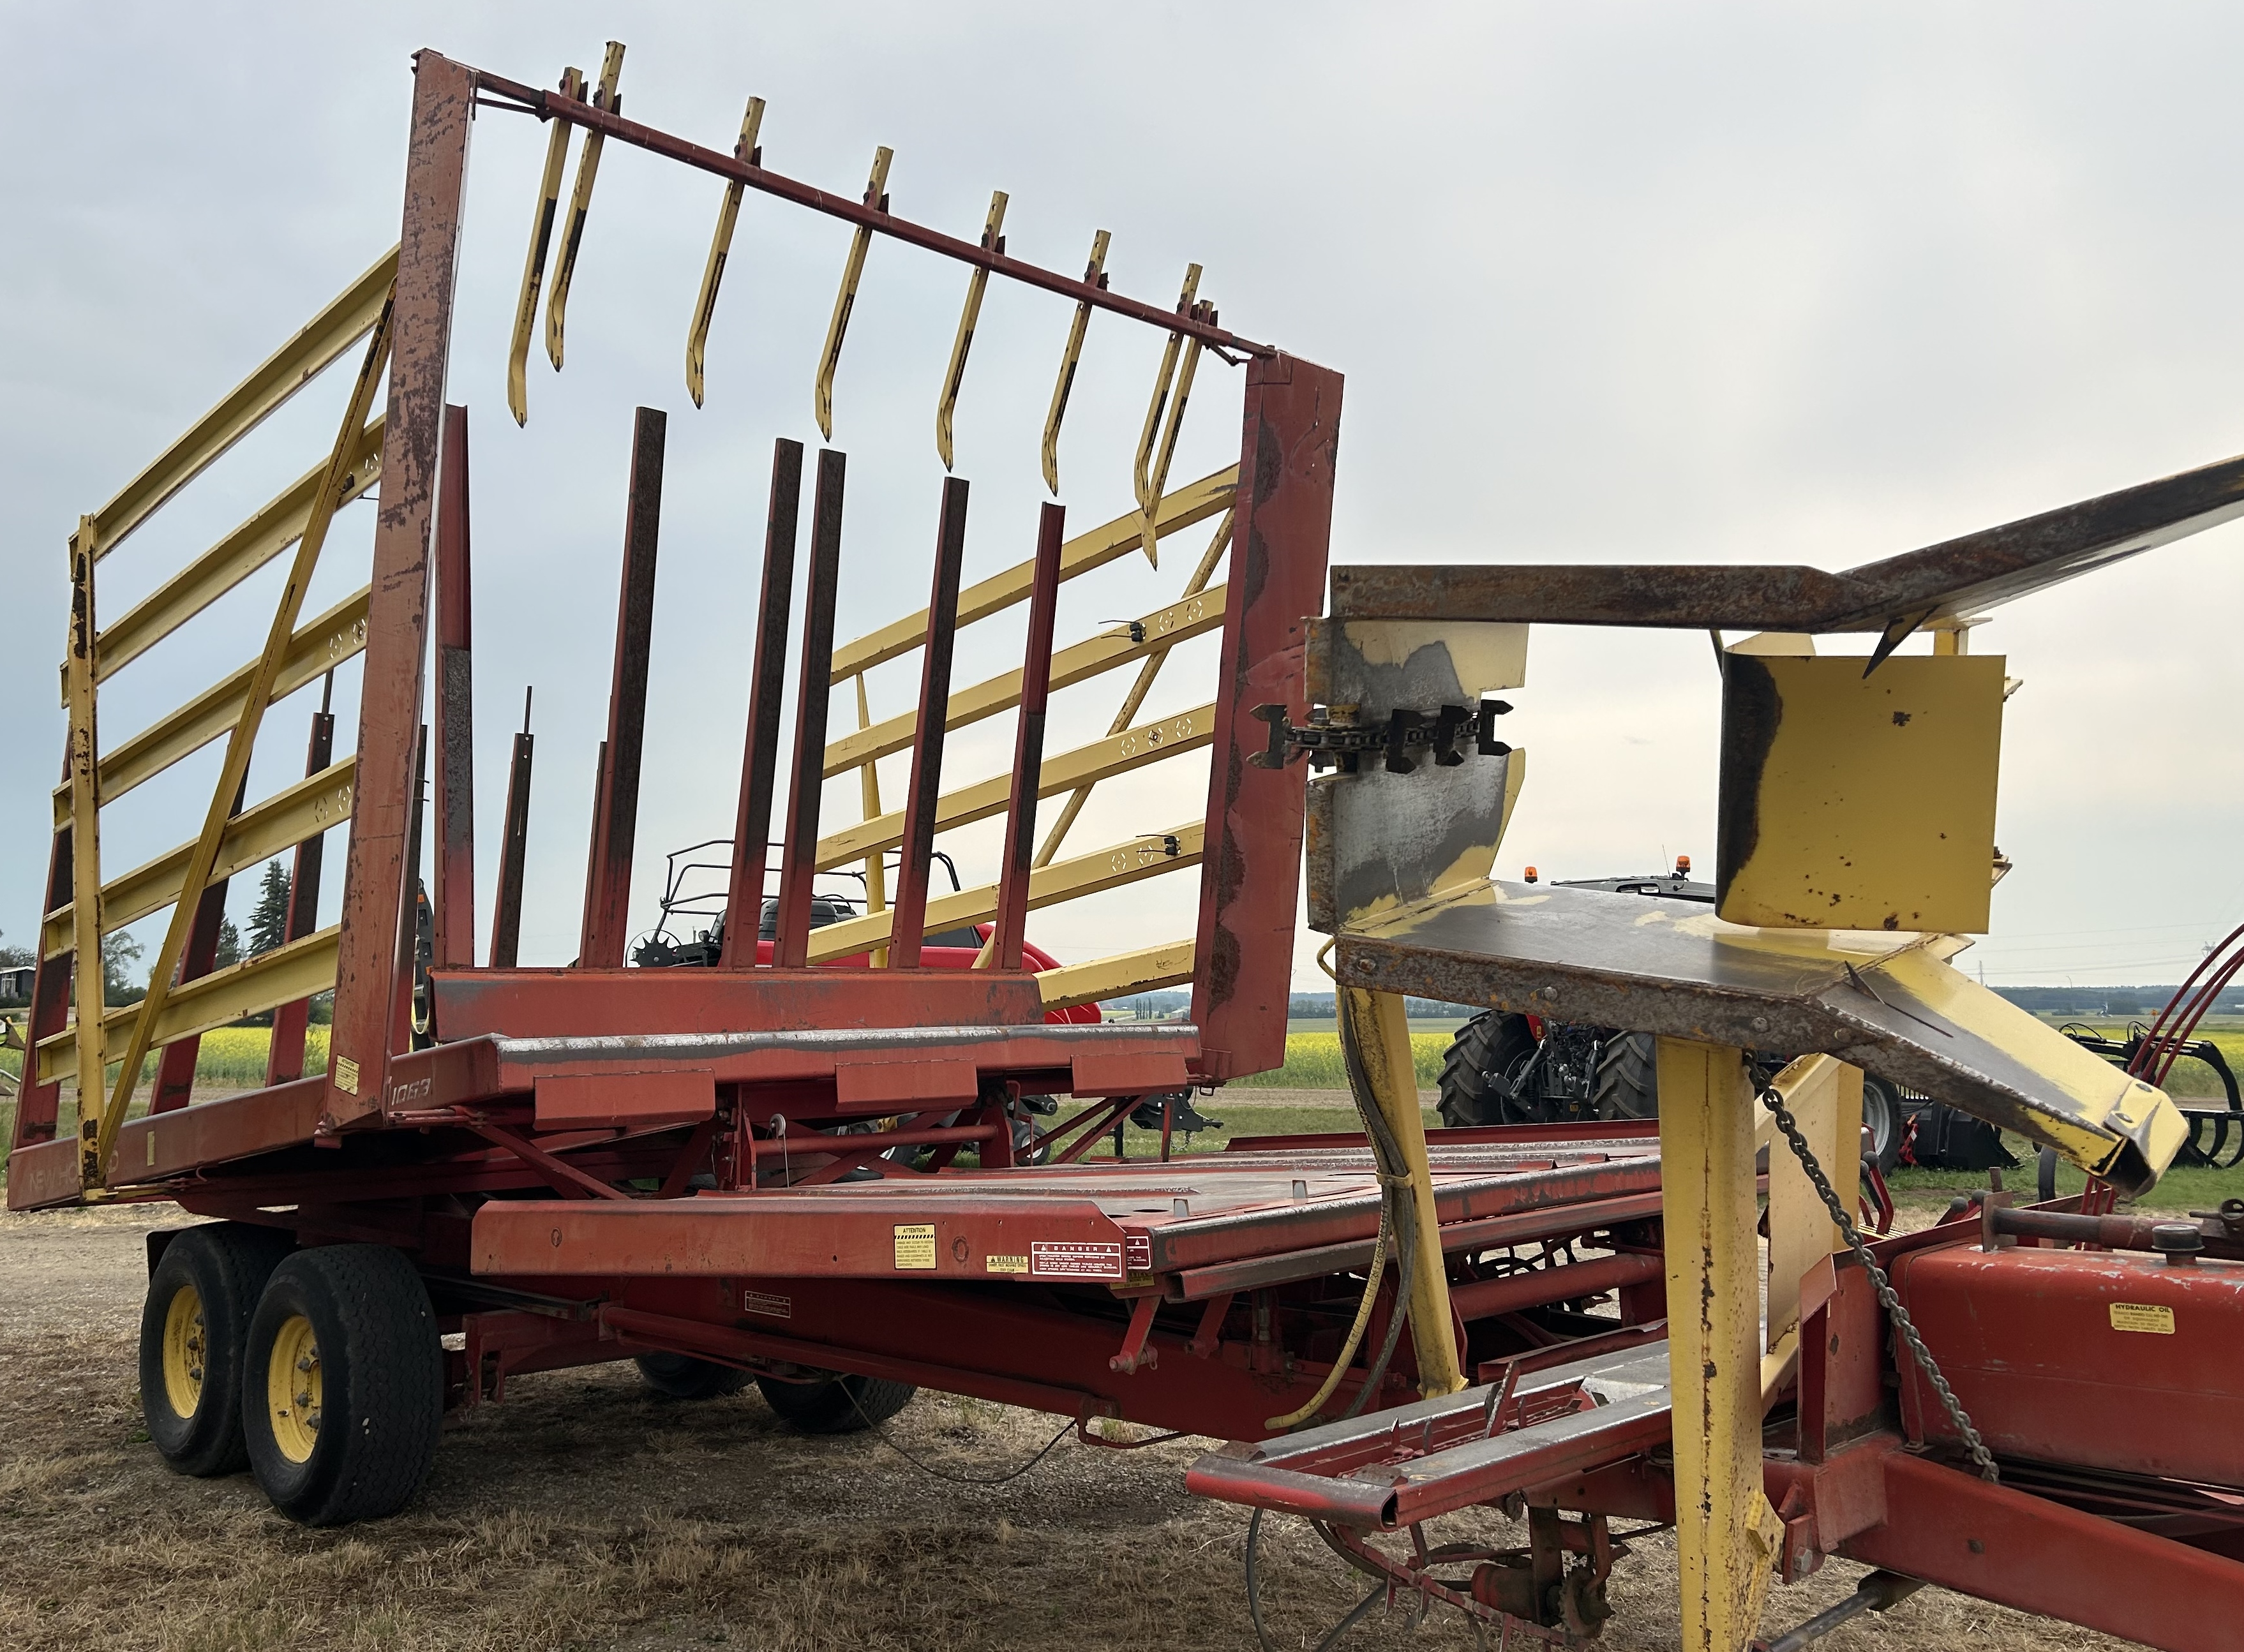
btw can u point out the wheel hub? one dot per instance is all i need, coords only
(294, 1390)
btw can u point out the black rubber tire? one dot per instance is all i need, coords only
(844, 1406)
(682, 1376)
(1492, 1042)
(1881, 1116)
(382, 1374)
(1628, 1077)
(225, 1264)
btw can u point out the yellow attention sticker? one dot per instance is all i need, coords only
(1004, 1264)
(347, 1075)
(2143, 1316)
(916, 1245)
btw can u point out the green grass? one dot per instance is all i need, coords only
(1312, 1062)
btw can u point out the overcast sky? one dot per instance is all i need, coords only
(1771, 284)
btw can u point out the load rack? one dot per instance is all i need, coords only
(748, 1167)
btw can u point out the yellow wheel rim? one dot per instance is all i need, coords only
(187, 1346)
(292, 1393)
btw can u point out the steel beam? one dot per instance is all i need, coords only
(1282, 533)
(1726, 1534)
(607, 915)
(814, 696)
(284, 1055)
(375, 877)
(1007, 931)
(908, 910)
(452, 896)
(744, 904)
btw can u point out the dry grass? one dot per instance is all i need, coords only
(586, 1513)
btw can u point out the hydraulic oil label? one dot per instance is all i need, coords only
(2143, 1316)
(1004, 1264)
(1075, 1260)
(916, 1245)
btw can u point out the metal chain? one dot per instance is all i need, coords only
(1887, 1298)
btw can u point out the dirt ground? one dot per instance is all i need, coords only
(586, 1513)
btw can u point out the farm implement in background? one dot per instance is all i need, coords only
(735, 1158)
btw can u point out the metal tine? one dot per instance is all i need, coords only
(977, 283)
(533, 263)
(1147, 672)
(908, 912)
(580, 201)
(1158, 484)
(453, 887)
(1149, 497)
(748, 153)
(744, 902)
(1010, 929)
(506, 921)
(877, 197)
(813, 697)
(1094, 272)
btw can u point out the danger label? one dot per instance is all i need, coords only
(2143, 1316)
(759, 1301)
(1004, 1264)
(916, 1245)
(1075, 1260)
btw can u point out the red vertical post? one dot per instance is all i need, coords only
(1250, 889)
(38, 1106)
(375, 892)
(453, 893)
(408, 915)
(175, 1065)
(908, 910)
(506, 923)
(813, 694)
(284, 1059)
(1010, 928)
(607, 916)
(744, 904)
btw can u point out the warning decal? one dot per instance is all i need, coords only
(1140, 1252)
(1075, 1260)
(1004, 1264)
(2143, 1316)
(916, 1245)
(759, 1301)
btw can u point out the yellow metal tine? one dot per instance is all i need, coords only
(1095, 272)
(1159, 480)
(877, 197)
(748, 153)
(94, 1146)
(580, 202)
(533, 264)
(1149, 497)
(976, 284)
(1136, 697)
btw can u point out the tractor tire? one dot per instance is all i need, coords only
(1883, 1118)
(344, 1392)
(1482, 1050)
(680, 1376)
(194, 1340)
(1628, 1077)
(842, 1406)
